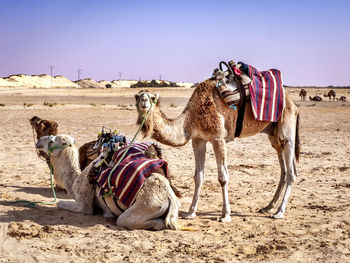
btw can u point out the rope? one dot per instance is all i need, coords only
(33, 204)
(144, 117)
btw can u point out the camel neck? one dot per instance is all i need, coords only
(171, 132)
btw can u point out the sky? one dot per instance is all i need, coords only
(309, 41)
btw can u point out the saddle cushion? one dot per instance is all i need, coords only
(266, 94)
(129, 176)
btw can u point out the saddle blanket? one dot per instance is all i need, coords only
(129, 176)
(266, 94)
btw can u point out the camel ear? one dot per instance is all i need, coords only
(137, 96)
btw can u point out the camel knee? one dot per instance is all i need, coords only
(283, 141)
(223, 181)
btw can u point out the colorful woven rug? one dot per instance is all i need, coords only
(128, 178)
(267, 94)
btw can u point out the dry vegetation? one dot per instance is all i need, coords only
(316, 226)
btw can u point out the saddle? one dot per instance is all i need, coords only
(233, 86)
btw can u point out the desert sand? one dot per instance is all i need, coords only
(316, 227)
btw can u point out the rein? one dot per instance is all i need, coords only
(33, 204)
(144, 117)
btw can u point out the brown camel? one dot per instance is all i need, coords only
(330, 94)
(302, 94)
(207, 118)
(316, 98)
(342, 98)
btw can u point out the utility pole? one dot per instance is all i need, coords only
(160, 77)
(79, 72)
(51, 68)
(139, 78)
(120, 75)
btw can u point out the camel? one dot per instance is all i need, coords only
(206, 118)
(316, 98)
(42, 127)
(302, 94)
(154, 202)
(330, 94)
(342, 98)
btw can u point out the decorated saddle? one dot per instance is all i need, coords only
(264, 88)
(128, 177)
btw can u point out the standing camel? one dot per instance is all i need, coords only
(155, 205)
(302, 94)
(330, 94)
(207, 118)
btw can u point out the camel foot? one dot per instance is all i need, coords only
(187, 215)
(225, 219)
(264, 210)
(278, 215)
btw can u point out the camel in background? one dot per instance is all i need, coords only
(316, 98)
(330, 94)
(206, 118)
(155, 206)
(302, 94)
(342, 98)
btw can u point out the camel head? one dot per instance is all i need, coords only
(43, 127)
(146, 102)
(53, 145)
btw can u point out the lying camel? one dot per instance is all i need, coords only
(154, 201)
(42, 127)
(316, 98)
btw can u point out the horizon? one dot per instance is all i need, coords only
(179, 41)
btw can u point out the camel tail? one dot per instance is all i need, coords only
(297, 140)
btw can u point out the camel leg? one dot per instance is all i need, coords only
(199, 149)
(83, 195)
(282, 182)
(219, 147)
(286, 137)
(151, 203)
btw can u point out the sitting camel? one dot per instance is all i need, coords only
(87, 153)
(302, 94)
(330, 94)
(342, 98)
(154, 201)
(316, 98)
(207, 118)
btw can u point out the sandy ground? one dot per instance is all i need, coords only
(316, 226)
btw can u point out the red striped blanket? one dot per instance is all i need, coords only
(267, 94)
(129, 176)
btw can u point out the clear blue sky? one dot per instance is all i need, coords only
(181, 40)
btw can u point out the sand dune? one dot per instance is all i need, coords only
(59, 81)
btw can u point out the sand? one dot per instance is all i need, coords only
(316, 227)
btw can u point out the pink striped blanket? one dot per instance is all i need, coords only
(267, 94)
(129, 176)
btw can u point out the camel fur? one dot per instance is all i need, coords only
(206, 118)
(155, 199)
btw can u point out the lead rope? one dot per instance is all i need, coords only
(144, 117)
(33, 204)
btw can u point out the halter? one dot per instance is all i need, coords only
(55, 147)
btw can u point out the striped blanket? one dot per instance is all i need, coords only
(129, 176)
(267, 94)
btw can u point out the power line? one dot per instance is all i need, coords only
(51, 69)
(79, 73)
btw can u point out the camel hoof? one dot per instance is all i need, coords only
(264, 210)
(225, 219)
(278, 215)
(188, 215)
